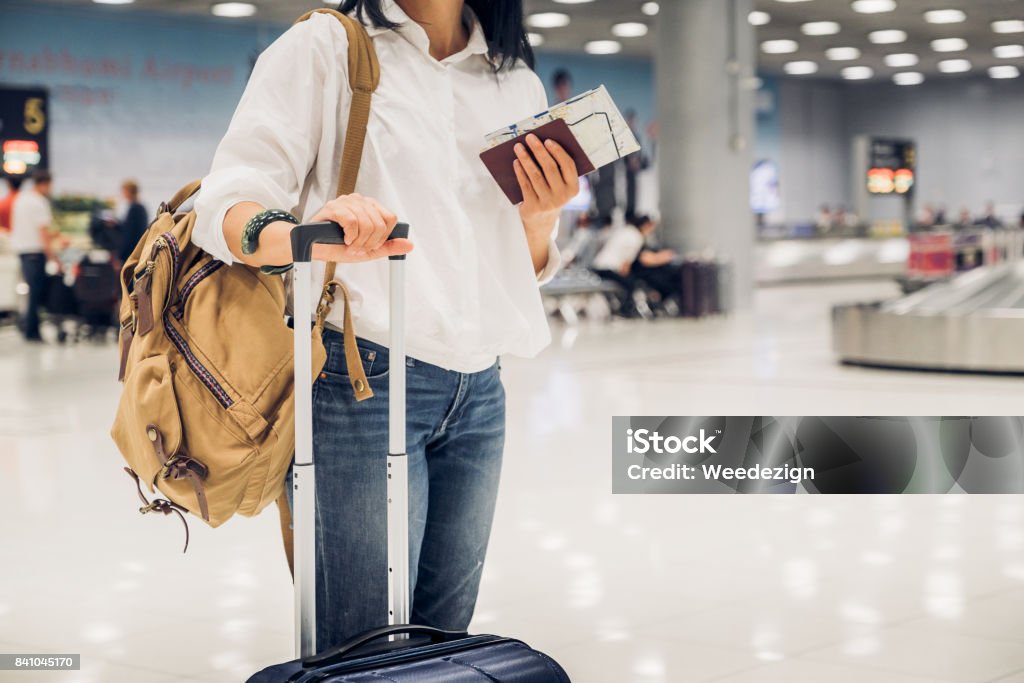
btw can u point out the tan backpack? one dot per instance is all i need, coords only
(207, 411)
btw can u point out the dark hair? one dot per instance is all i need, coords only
(15, 182)
(561, 77)
(640, 220)
(501, 20)
(41, 176)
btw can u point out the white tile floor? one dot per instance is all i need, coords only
(618, 588)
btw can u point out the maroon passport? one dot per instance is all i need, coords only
(498, 160)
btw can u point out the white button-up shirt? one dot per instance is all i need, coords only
(472, 292)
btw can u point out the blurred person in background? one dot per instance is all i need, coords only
(561, 81)
(634, 163)
(31, 240)
(845, 219)
(13, 185)
(655, 265)
(964, 219)
(926, 216)
(614, 262)
(135, 220)
(823, 222)
(989, 218)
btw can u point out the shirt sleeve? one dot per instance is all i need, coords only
(45, 214)
(276, 131)
(554, 254)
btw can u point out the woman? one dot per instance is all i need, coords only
(451, 72)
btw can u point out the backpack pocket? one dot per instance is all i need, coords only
(148, 414)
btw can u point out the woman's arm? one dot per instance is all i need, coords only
(366, 225)
(284, 121)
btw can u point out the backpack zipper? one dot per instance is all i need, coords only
(196, 366)
(168, 242)
(193, 281)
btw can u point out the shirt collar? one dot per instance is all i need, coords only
(415, 34)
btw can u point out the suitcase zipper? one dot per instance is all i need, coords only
(392, 658)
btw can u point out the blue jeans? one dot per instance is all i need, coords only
(455, 435)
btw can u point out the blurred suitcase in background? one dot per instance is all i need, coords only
(399, 653)
(706, 287)
(97, 289)
(59, 297)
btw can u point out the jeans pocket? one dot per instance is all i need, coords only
(375, 360)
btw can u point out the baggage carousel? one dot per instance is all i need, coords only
(972, 323)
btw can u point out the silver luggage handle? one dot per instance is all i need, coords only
(303, 237)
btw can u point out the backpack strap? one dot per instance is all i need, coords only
(180, 197)
(363, 75)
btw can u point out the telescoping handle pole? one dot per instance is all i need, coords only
(303, 473)
(398, 463)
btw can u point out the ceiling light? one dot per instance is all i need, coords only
(954, 66)
(1004, 71)
(1008, 26)
(857, 73)
(873, 6)
(535, 39)
(650, 8)
(113, 2)
(779, 47)
(945, 16)
(842, 54)
(759, 18)
(800, 68)
(887, 37)
(548, 20)
(629, 29)
(1008, 51)
(820, 28)
(901, 60)
(233, 9)
(949, 44)
(603, 47)
(908, 78)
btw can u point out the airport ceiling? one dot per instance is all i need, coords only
(593, 20)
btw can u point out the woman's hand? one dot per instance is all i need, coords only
(548, 179)
(367, 225)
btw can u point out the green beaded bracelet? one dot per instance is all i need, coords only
(256, 225)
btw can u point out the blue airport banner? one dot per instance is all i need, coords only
(844, 455)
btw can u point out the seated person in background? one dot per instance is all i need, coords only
(989, 219)
(654, 265)
(965, 219)
(846, 219)
(926, 216)
(615, 259)
(824, 220)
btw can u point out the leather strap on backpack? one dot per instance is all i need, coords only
(364, 75)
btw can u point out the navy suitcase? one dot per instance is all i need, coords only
(400, 653)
